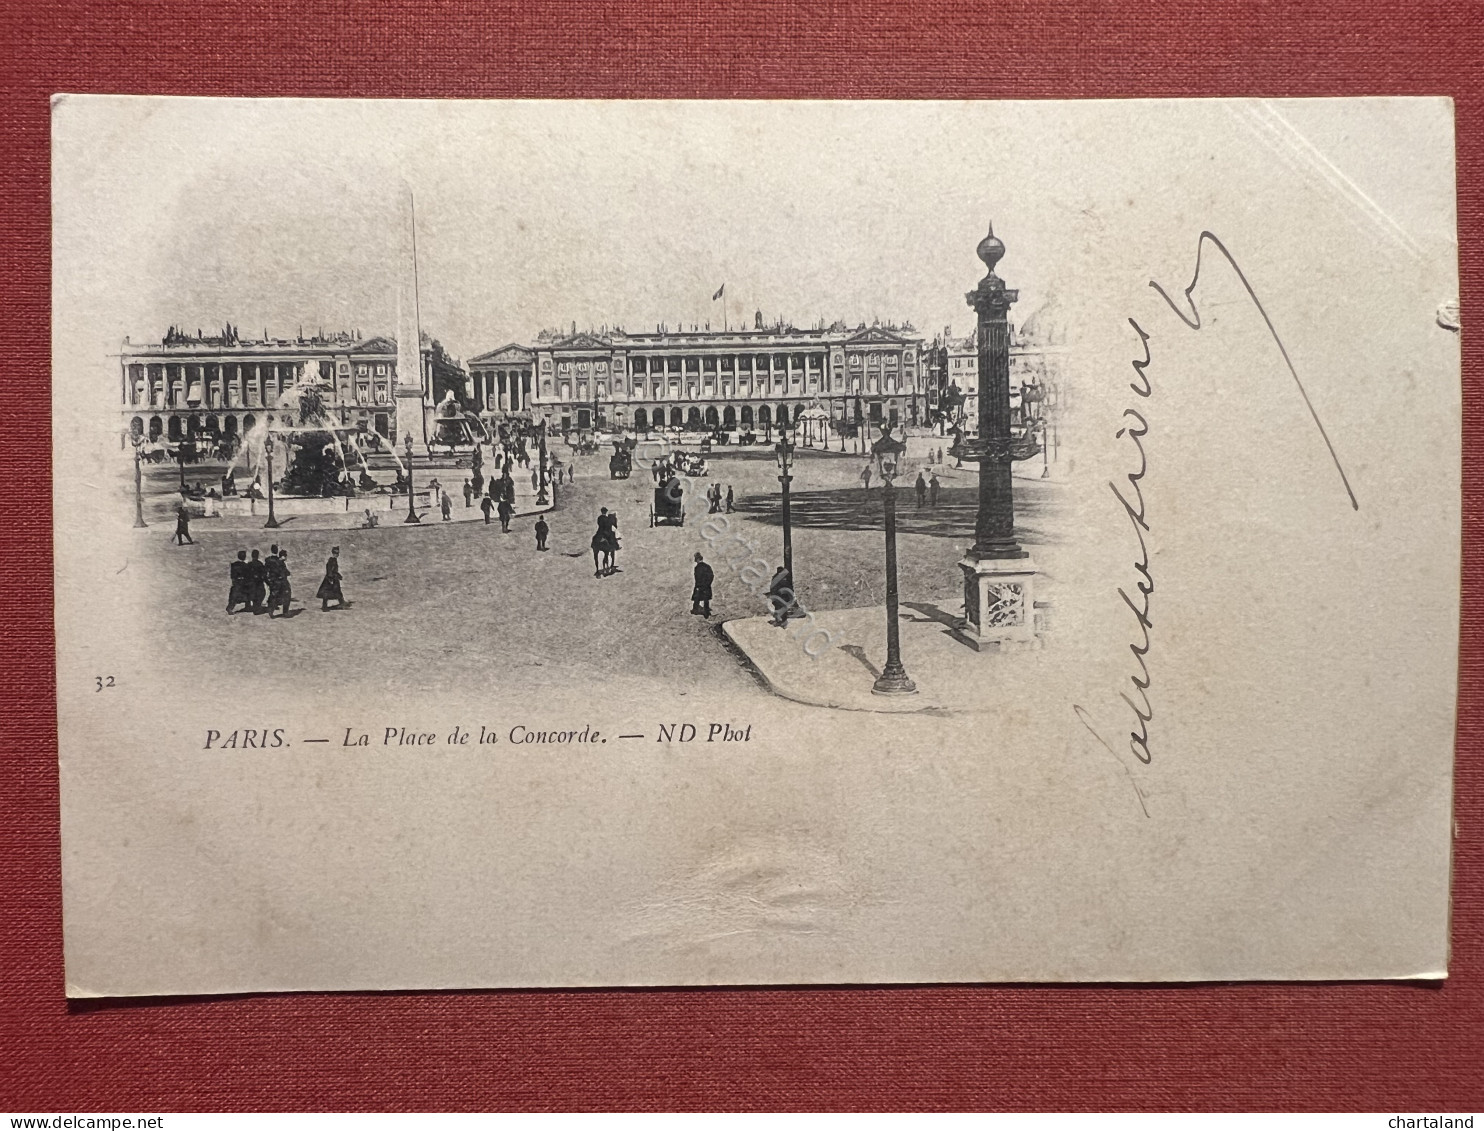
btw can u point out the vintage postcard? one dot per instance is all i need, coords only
(671, 543)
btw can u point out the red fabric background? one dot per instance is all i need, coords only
(1390, 1047)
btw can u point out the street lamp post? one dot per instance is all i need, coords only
(542, 498)
(407, 447)
(139, 523)
(272, 523)
(783, 452)
(887, 453)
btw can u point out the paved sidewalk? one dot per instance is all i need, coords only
(951, 677)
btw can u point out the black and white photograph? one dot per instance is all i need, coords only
(679, 543)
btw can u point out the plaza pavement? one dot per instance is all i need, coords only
(461, 603)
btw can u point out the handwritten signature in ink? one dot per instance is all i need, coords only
(1131, 498)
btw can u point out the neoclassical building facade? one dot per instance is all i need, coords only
(704, 378)
(217, 386)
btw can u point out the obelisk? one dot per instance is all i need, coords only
(412, 392)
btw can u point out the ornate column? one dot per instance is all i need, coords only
(999, 608)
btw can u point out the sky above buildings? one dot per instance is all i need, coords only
(282, 214)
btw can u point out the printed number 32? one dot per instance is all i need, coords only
(103, 681)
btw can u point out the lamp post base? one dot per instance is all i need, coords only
(893, 680)
(999, 603)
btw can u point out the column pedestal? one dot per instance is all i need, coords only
(999, 604)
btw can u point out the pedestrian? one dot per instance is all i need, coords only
(940, 457)
(468, 492)
(329, 589)
(506, 510)
(700, 596)
(933, 490)
(257, 583)
(273, 574)
(486, 504)
(729, 498)
(781, 595)
(445, 504)
(921, 488)
(238, 571)
(866, 477)
(183, 525)
(535, 479)
(285, 589)
(542, 530)
(478, 483)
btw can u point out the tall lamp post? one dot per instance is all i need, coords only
(139, 523)
(998, 575)
(542, 498)
(1048, 409)
(272, 523)
(783, 452)
(180, 456)
(887, 453)
(407, 447)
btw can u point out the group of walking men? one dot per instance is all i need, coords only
(261, 585)
(714, 500)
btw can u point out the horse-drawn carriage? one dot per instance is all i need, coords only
(620, 463)
(668, 508)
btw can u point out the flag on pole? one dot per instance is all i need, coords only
(719, 292)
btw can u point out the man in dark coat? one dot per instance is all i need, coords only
(238, 571)
(542, 530)
(183, 525)
(506, 510)
(273, 571)
(285, 589)
(487, 505)
(329, 589)
(781, 595)
(257, 582)
(933, 490)
(729, 498)
(921, 488)
(700, 596)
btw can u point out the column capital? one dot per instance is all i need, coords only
(991, 298)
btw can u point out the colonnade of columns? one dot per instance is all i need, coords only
(508, 390)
